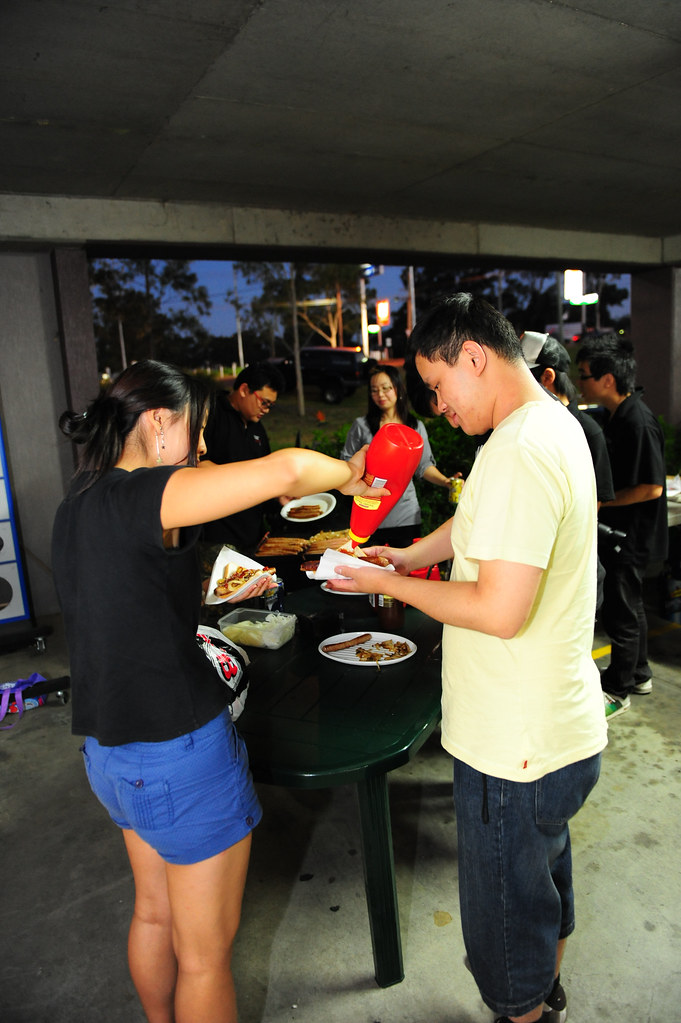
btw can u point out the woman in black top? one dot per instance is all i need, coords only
(161, 751)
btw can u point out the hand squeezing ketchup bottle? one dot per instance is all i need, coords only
(391, 461)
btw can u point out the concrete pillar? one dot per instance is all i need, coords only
(656, 335)
(32, 397)
(74, 308)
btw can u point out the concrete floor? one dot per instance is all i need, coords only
(303, 952)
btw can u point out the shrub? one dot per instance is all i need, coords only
(330, 443)
(672, 446)
(453, 451)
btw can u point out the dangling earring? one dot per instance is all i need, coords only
(162, 447)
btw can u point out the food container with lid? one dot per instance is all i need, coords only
(269, 629)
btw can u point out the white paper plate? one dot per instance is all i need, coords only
(226, 556)
(331, 557)
(343, 593)
(349, 656)
(327, 502)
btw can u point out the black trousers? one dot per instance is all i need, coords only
(624, 619)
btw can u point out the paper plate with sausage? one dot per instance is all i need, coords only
(309, 509)
(367, 648)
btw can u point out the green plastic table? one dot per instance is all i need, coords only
(311, 722)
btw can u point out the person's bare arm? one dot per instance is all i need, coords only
(433, 475)
(634, 495)
(194, 496)
(498, 603)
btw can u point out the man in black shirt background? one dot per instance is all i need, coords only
(550, 364)
(607, 375)
(235, 433)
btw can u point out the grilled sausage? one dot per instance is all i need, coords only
(373, 559)
(347, 644)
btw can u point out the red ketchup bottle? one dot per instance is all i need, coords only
(391, 461)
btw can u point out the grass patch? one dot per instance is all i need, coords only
(319, 427)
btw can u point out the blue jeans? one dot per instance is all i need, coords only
(515, 878)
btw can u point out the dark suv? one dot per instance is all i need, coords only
(335, 371)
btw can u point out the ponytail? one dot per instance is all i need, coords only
(105, 425)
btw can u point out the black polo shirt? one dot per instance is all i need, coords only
(229, 439)
(636, 449)
(598, 447)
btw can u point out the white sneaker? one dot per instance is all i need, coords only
(615, 705)
(644, 687)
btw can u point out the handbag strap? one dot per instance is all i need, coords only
(16, 689)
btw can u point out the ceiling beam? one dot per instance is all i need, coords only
(221, 230)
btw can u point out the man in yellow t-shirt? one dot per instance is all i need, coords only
(522, 710)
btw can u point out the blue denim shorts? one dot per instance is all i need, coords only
(515, 878)
(189, 798)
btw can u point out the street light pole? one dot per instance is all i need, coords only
(296, 340)
(239, 339)
(365, 270)
(559, 307)
(121, 341)
(363, 315)
(411, 303)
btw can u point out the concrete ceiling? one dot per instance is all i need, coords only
(538, 114)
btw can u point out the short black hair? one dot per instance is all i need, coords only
(441, 332)
(260, 374)
(610, 353)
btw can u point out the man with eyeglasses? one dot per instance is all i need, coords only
(607, 375)
(235, 433)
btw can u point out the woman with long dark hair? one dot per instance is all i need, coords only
(387, 402)
(160, 749)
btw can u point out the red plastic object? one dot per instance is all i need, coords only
(391, 461)
(429, 572)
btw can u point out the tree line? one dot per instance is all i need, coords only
(153, 308)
